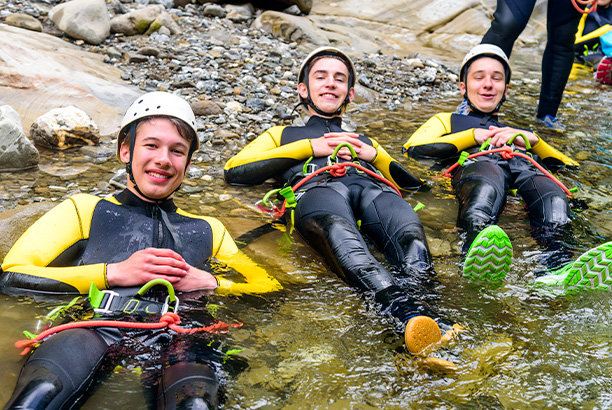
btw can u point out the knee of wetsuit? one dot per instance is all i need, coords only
(480, 206)
(36, 388)
(416, 254)
(188, 386)
(558, 211)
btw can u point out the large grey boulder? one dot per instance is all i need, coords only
(17, 152)
(83, 19)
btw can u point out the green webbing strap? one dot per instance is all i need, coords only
(109, 302)
(344, 144)
(266, 199)
(520, 134)
(463, 157)
(418, 206)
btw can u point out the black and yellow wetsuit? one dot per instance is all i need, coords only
(69, 248)
(328, 209)
(482, 184)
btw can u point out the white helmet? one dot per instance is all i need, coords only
(158, 103)
(485, 50)
(332, 51)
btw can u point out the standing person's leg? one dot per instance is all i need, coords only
(509, 21)
(59, 371)
(562, 23)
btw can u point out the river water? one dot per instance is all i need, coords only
(317, 345)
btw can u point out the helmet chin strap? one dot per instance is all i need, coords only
(128, 168)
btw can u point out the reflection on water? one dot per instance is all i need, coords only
(316, 345)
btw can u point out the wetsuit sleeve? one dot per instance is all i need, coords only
(393, 170)
(56, 238)
(257, 280)
(435, 140)
(551, 156)
(265, 158)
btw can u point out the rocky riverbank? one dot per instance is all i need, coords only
(237, 73)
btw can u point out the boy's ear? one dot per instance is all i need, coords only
(302, 90)
(462, 87)
(124, 153)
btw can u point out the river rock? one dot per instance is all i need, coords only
(136, 22)
(239, 13)
(17, 152)
(63, 128)
(163, 20)
(24, 21)
(13, 223)
(62, 75)
(83, 19)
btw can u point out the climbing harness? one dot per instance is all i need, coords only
(335, 169)
(590, 6)
(507, 153)
(168, 319)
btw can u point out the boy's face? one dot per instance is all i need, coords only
(486, 83)
(328, 81)
(160, 158)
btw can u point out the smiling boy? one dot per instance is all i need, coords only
(334, 213)
(482, 183)
(112, 247)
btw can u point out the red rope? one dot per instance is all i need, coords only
(587, 3)
(337, 170)
(170, 320)
(507, 153)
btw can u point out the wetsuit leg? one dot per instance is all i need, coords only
(481, 189)
(59, 371)
(562, 23)
(549, 214)
(509, 20)
(188, 386)
(396, 229)
(325, 218)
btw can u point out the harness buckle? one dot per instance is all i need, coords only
(105, 303)
(310, 168)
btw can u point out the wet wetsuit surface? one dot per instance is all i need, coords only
(68, 249)
(482, 183)
(328, 209)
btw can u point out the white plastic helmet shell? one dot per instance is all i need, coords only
(484, 50)
(158, 103)
(323, 51)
